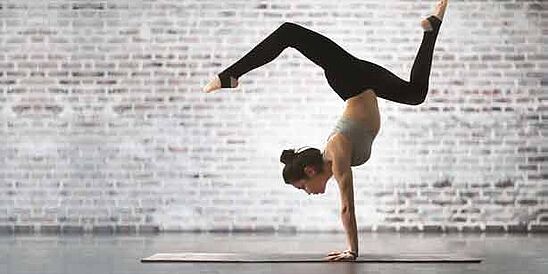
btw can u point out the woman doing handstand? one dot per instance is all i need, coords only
(358, 83)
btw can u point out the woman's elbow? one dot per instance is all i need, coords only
(347, 209)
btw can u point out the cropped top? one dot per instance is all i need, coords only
(360, 136)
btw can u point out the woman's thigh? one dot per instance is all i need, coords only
(386, 84)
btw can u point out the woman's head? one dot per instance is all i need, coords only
(304, 169)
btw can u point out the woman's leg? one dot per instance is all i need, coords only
(393, 88)
(420, 72)
(316, 47)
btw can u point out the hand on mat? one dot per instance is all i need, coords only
(340, 256)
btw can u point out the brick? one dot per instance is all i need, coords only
(103, 229)
(492, 193)
(441, 184)
(125, 229)
(505, 201)
(50, 229)
(219, 229)
(148, 228)
(495, 229)
(441, 202)
(417, 185)
(365, 229)
(480, 185)
(286, 229)
(471, 229)
(387, 210)
(458, 219)
(409, 229)
(264, 229)
(504, 184)
(408, 210)
(72, 229)
(383, 193)
(471, 210)
(385, 228)
(469, 193)
(23, 229)
(482, 201)
(520, 228)
(452, 229)
(433, 228)
(7, 229)
(407, 194)
(530, 202)
(430, 194)
(394, 219)
(539, 228)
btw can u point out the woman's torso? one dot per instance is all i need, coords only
(364, 108)
(359, 124)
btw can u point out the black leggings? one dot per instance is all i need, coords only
(346, 74)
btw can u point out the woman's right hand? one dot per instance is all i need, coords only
(340, 256)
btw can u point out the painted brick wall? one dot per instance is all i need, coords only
(103, 126)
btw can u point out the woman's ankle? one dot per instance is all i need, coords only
(227, 81)
(233, 82)
(426, 26)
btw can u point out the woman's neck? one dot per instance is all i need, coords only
(327, 166)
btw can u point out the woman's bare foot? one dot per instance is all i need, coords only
(439, 11)
(215, 84)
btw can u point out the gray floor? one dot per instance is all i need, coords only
(95, 254)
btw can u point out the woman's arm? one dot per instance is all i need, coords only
(340, 152)
(348, 217)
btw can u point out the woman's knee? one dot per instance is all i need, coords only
(288, 33)
(288, 24)
(419, 99)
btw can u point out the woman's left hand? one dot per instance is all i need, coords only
(340, 256)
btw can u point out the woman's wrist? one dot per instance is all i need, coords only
(355, 254)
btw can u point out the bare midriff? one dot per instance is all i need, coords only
(364, 108)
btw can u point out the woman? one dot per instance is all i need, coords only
(358, 83)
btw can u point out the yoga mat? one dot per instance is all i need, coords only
(190, 257)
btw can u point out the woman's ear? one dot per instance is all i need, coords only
(309, 171)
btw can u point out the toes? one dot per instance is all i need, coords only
(211, 86)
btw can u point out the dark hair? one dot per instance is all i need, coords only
(296, 162)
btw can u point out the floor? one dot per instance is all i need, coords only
(97, 254)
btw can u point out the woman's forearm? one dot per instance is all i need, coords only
(349, 222)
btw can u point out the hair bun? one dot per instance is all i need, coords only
(287, 156)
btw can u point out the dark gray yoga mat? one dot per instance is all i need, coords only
(189, 257)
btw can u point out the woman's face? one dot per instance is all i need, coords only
(315, 184)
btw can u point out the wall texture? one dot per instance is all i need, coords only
(103, 125)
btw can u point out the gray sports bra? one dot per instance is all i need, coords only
(360, 136)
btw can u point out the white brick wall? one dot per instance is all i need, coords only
(103, 126)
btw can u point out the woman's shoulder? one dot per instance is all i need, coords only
(338, 145)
